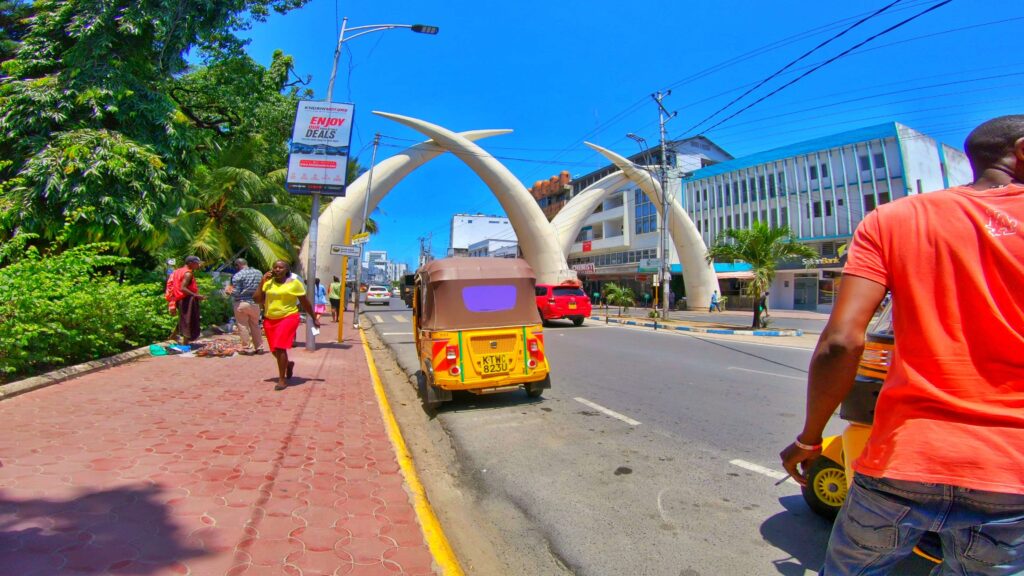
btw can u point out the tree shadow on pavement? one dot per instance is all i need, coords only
(120, 531)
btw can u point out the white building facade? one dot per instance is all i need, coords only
(468, 229)
(821, 189)
(619, 241)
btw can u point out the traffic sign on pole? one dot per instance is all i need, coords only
(361, 238)
(344, 250)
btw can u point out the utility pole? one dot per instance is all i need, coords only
(666, 264)
(362, 247)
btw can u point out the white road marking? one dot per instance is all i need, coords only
(702, 336)
(378, 318)
(400, 318)
(801, 378)
(607, 412)
(777, 475)
(396, 333)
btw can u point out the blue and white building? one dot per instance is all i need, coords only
(821, 189)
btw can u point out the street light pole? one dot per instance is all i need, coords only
(642, 143)
(366, 207)
(315, 215)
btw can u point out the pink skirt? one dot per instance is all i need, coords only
(320, 308)
(281, 331)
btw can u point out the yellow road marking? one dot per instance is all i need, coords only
(432, 532)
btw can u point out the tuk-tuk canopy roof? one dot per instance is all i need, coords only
(460, 268)
(469, 293)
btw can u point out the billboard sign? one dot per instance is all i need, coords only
(319, 149)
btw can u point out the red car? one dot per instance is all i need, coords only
(562, 301)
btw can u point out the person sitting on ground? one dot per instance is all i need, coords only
(281, 293)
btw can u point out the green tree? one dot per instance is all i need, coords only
(620, 296)
(232, 210)
(14, 24)
(763, 247)
(86, 71)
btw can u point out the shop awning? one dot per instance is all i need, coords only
(742, 275)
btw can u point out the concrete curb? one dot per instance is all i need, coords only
(699, 330)
(63, 374)
(12, 389)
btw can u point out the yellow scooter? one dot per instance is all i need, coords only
(830, 476)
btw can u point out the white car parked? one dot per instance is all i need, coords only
(378, 295)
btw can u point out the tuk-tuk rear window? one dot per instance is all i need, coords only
(489, 298)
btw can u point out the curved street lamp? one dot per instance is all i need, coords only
(315, 215)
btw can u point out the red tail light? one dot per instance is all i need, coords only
(534, 346)
(551, 300)
(452, 353)
(536, 354)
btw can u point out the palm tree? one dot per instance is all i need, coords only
(619, 296)
(763, 247)
(233, 210)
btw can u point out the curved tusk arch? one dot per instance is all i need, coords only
(536, 236)
(569, 220)
(386, 175)
(698, 275)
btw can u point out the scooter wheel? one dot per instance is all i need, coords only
(826, 488)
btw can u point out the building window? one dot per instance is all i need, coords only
(828, 207)
(784, 218)
(771, 186)
(840, 202)
(865, 163)
(879, 160)
(814, 172)
(746, 220)
(646, 216)
(736, 194)
(883, 197)
(869, 203)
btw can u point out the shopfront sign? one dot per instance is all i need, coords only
(587, 246)
(584, 267)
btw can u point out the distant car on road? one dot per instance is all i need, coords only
(378, 295)
(396, 292)
(562, 301)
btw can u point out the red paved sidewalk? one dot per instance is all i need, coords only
(195, 466)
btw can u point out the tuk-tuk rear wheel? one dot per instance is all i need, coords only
(826, 487)
(535, 389)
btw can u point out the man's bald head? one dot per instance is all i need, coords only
(993, 142)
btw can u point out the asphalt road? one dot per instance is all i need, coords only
(654, 453)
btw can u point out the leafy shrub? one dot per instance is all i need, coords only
(61, 309)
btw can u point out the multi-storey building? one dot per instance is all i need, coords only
(619, 241)
(553, 193)
(821, 189)
(468, 229)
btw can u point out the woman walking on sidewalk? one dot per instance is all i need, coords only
(281, 295)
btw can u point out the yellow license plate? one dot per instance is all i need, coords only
(495, 364)
(572, 305)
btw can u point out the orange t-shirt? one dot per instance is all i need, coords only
(952, 408)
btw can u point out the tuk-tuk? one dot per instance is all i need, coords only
(476, 327)
(831, 474)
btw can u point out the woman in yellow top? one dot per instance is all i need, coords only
(281, 294)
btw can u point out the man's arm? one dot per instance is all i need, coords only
(833, 366)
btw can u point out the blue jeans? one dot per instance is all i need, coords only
(882, 520)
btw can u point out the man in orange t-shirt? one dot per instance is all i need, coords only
(946, 452)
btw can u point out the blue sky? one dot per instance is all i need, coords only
(559, 73)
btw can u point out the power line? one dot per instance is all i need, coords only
(826, 63)
(794, 62)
